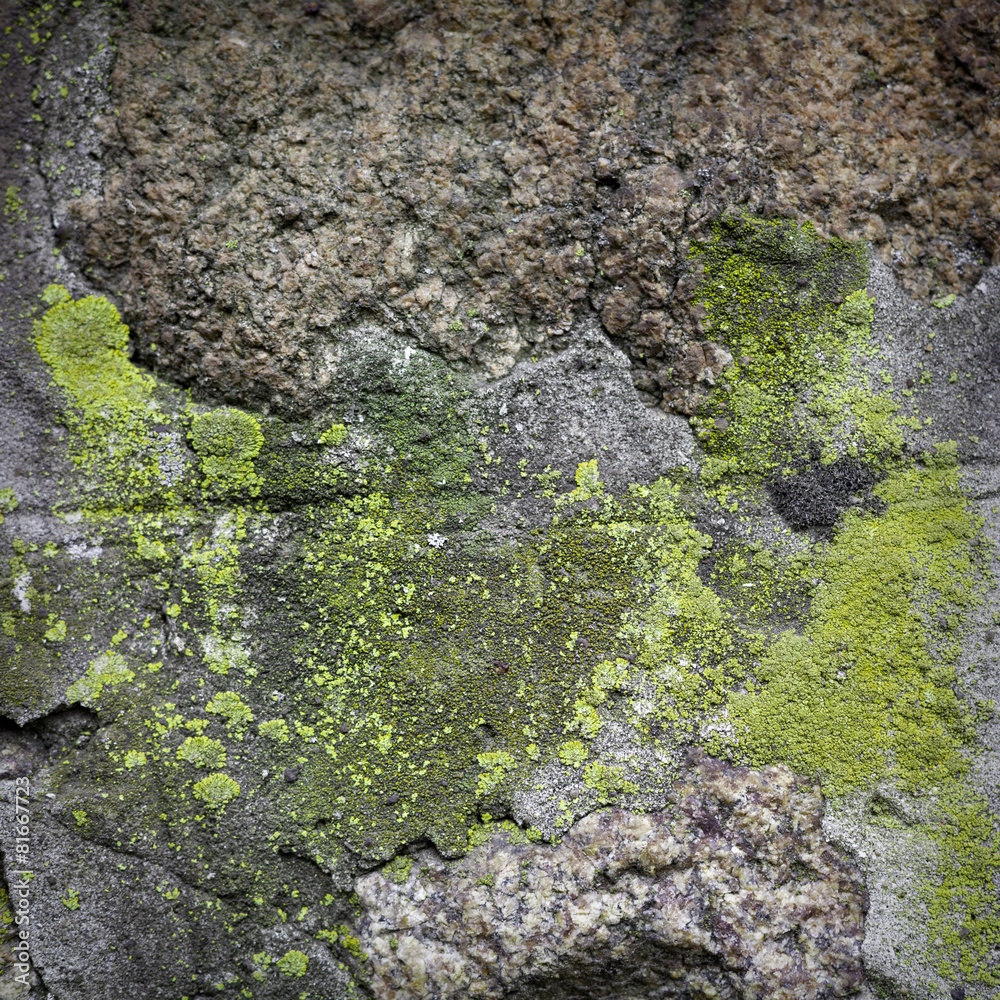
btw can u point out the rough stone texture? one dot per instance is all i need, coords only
(611, 130)
(732, 893)
(484, 176)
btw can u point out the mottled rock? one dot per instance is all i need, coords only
(483, 176)
(731, 892)
(572, 603)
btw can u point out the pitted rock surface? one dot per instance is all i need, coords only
(733, 893)
(483, 175)
(291, 201)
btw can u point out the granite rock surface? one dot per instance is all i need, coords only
(484, 176)
(733, 893)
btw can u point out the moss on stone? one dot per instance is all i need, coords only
(427, 667)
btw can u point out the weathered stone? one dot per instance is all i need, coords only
(732, 892)
(448, 562)
(480, 177)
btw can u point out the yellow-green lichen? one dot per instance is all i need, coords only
(609, 782)
(334, 435)
(56, 631)
(228, 440)
(588, 484)
(794, 382)
(426, 666)
(112, 403)
(497, 763)
(420, 654)
(86, 344)
(507, 830)
(863, 687)
(107, 670)
(216, 790)
(231, 707)
(202, 752)
(275, 729)
(293, 963)
(221, 655)
(857, 695)
(398, 870)
(226, 433)
(6, 913)
(341, 936)
(13, 207)
(8, 502)
(573, 753)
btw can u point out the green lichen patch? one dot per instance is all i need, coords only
(794, 382)
(227, 441)
(573, 753)
(610, 783)
(226, 433)
(962, 901)
(860, 686)
(112, 405)
(506, 830)
(8, 502)
(443, 678)
(107, 670)
(398, 870)
(222, 655)
(56, 631)
(6, 914)
(216, 790)
(275, 729)
(232, 708)
(496, 765)
(342, 937)
(857, 695)
(293, 963)
(334, 435)
(202, 752)
(86, 345)
(13, 207)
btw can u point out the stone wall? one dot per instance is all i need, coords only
(499, 499)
